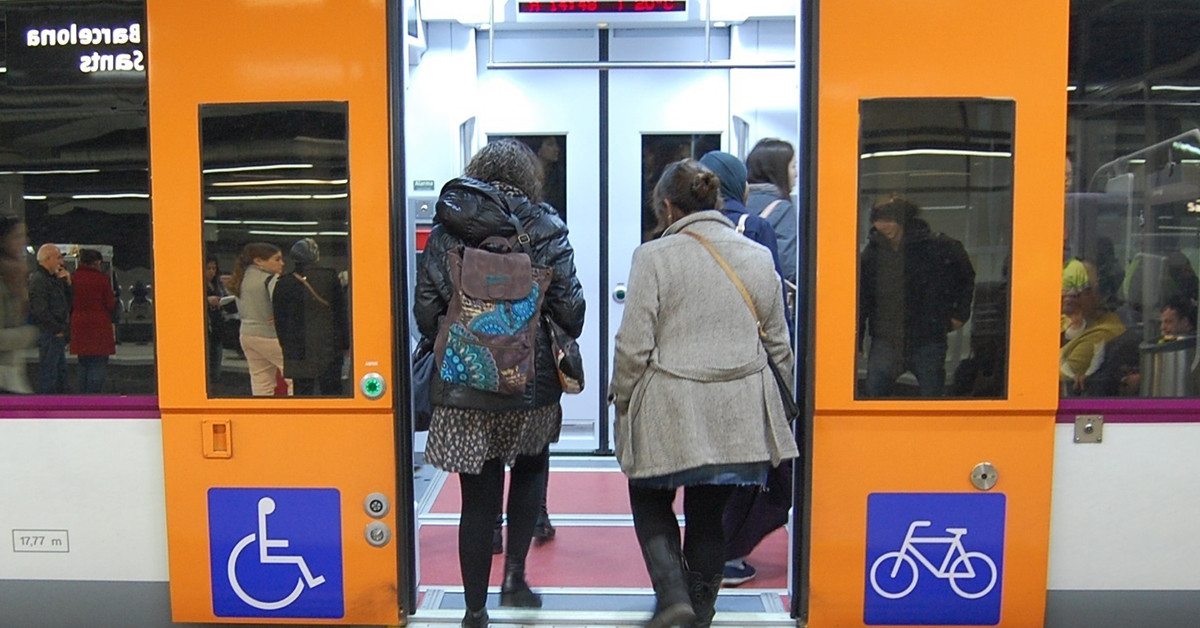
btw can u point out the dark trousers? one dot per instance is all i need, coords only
(889, 360)
(329, 382)
(216, 353)
(52, 364)
(704, 541)
(753, 512)
(482, 495)
(92, 369)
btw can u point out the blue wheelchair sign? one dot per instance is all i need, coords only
(276, 552)
(934, 559)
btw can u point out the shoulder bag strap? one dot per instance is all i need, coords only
(316, 296)
(741, 226)
(733, 277)
(766, 212)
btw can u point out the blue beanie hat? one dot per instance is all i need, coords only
(730, 170)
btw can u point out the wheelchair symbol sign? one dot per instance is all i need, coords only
(276, 552)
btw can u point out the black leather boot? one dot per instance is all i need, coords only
(514, 591)
(542, 529)
(703, 594)
(475, 619)
(664, 562)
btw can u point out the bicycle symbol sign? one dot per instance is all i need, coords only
(934, 558)
(276, 552)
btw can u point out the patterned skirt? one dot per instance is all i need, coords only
(460, 440)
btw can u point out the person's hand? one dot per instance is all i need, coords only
(955, 324)
(1079, 379)
(214, 301)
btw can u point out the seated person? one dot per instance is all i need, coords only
(1177, 319)
(1087, 326)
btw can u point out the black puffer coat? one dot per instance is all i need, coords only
(468, 212)
(939, 282)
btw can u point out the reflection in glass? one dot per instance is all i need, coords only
(1129, 284)
(935, 223)
(276, 236)
(79, 179)
(658, 152)
(552, 152)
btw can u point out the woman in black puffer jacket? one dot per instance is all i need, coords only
(502, 179)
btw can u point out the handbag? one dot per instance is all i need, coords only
(790, 408)
(422, 381)
(567, 359)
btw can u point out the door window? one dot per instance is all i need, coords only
(275, 182)
(935, 232)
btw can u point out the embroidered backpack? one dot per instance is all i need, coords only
(487, 341)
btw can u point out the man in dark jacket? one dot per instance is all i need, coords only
(50, 308)
(915, 286)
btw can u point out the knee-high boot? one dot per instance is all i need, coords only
(514, 591)
(703, 594)
(664, 562)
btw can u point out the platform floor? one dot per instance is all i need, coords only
(591, 574)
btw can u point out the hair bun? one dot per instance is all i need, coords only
(705, 184)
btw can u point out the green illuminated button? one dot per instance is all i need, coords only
(372, 385)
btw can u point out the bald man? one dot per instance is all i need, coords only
(50, 309)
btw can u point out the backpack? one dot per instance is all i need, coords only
(487, 341)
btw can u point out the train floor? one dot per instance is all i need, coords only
(591, 574)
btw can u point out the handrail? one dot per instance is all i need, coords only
(1193, 134)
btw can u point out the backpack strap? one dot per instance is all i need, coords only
(523, 239)
(766, 212)
(741, 226)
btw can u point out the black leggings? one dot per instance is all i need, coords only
(481, 497)
(703, 506)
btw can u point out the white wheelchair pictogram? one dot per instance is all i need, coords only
(266, 506)
(958, 564)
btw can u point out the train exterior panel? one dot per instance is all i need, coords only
(141, 506)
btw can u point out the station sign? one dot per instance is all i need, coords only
(74, 44)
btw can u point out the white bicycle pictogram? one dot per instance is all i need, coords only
(266, 506)
(956, 565)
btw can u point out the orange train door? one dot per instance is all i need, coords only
(931, 476)
(270, 126)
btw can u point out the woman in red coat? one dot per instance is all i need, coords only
(91, 321)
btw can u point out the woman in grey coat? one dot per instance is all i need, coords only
(697, 406)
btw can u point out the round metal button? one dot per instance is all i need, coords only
(984, 476)
(378, 534)
(372, 385)
(377, 505)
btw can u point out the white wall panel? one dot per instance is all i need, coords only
(1125, 511)
(99, 479)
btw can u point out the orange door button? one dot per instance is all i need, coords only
(217, 438)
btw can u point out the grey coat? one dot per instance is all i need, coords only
(690, 378)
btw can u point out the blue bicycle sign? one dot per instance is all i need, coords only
(934, 559)
(902, 573)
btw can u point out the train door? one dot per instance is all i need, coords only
(609, 107)
(271, 149)
(937, 149)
